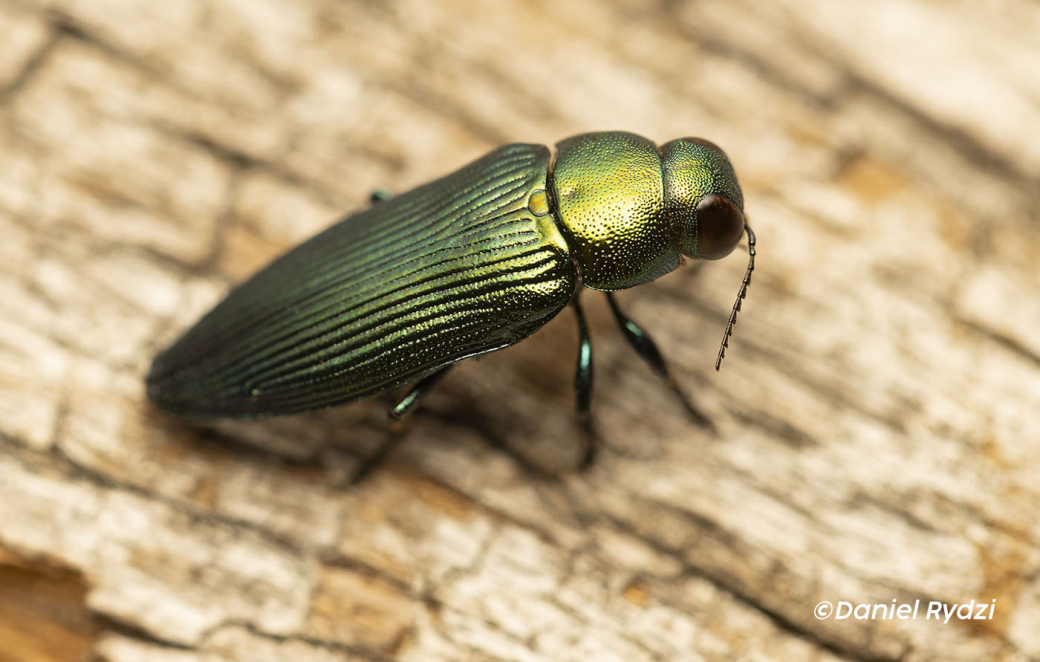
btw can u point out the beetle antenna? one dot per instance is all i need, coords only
(740, 296)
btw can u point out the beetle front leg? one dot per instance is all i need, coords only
(647, 350)
(583, 384)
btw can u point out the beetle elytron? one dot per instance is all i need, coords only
(467, 264)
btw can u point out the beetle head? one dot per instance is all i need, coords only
(706, 209)
(702, 198)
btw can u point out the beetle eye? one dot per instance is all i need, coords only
(720, 225)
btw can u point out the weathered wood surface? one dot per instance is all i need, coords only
(878, 413)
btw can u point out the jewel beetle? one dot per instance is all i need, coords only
(472, 262)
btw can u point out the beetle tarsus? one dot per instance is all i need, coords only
(368, 464)
(647, 350)
(591, 441)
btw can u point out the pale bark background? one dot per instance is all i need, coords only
(878, 410)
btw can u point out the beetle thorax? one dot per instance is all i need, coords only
(629, 209)
(609, 194)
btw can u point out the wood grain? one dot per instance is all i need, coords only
(878, 437)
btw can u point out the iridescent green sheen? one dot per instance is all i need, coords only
(693, 169)
(458, 267)
(464, 265)
(609, 192)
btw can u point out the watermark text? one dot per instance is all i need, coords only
(932, 610)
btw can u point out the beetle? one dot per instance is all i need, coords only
(467, 264)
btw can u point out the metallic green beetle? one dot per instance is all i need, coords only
(467, 264)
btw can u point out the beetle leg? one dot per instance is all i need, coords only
(394, 435)
(396, 413)
(583, 383)
(416, 393)
(379, 195)
(647, 350)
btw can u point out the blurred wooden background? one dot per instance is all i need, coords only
(878, 410)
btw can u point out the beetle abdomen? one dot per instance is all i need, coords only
(461, 266)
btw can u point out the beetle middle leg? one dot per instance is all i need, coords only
(404, 406)
(647, 350)
(583, 384)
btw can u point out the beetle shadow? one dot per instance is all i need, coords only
(520, 400)
(332, 442)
